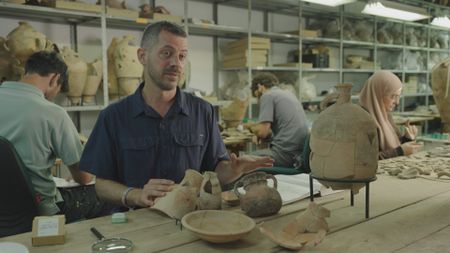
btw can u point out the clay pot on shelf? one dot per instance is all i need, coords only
(259, 199)
(128, 69)
(77, 69)
(94, 77)
(440, 85)
(233, 114)
(210, 197)
(344, 143)
(113, 86)
(8, 63)
(24, 40)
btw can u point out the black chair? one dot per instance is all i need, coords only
(18, 205)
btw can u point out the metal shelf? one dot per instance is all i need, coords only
(84, 108)
(49, 14)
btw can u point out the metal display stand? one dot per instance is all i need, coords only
(366, 181)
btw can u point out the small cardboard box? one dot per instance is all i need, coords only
(74, 6)
(122, 13)
(166, 17)
(48, 230)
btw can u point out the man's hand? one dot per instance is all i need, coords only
(248, 163)
(411, 147)
(410, 131)
(154, 188)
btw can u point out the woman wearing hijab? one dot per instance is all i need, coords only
(379, 96)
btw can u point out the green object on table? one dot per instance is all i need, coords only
(119, 218)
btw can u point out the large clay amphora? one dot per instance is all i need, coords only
(259, 199)
(77, 75)
(128, 68)
(24, 40)
(344, 143)
(113, 86)
(233, 114)
(94, 76)
(7, 63)
(440, 84)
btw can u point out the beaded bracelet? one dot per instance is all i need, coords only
(124, 197)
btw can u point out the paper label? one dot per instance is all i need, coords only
(48, 226)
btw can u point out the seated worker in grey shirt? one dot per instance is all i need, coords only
(281, 116)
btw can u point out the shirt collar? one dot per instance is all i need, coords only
(139, 106)
(23, 87)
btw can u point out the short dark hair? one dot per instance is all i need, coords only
(264, 78)
(45, 63)
(152, 31)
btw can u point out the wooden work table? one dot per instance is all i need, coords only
(405, 216)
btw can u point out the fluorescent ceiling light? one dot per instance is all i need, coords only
(330, 2)
(395, 10)
(442, 21)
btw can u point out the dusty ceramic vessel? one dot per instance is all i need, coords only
(94, 77)
(183, 197)
(210, 197)
(24, 40)
(344, 143)
(309, 226)
(440, 85)
(113, 85)
(233, 114)
(259, 199)
(127, 66)
(77, 69)
(7, 63)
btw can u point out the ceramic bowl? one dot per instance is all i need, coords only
(218, 226)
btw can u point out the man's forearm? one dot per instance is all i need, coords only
(109, 190)
(79, 176)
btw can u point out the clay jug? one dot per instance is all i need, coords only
(127, 66)
(113, 86)
(233, 114)
(344, 143)
(183, 197)
(259, 199)
(440, 85)
(77, 69)
(7, 63)
(94, 77)
(210, 197)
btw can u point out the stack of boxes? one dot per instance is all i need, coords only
(237, 54)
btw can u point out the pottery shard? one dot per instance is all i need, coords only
(210, 197)
(344, 143)
(128, 69)
(77, 69)
(183, 197)
(113, 86)
(440, 85)
(309, 227)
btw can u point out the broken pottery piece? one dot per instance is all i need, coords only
(94, 76)
(233, 114)
(409, 173)
(230, 198)
(210, 192)
(344, 143)
(440, 85)
(309, 226)
(183, 197)
(113, 85)
(259, 199)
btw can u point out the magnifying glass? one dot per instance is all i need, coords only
(115, 245)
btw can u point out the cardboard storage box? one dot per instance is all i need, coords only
(48, 230)
(74, 6)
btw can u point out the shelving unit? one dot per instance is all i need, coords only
(305, 13)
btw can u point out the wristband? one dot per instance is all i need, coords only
(124, 197)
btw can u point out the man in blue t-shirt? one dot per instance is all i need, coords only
(142, 145)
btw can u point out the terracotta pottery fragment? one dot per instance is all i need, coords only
(344, 143)
(259, 199)
(7, 63)
(183, 197)
(440, 85)
(113, 86)
(210, 192)
(309, 226)
(233, 114)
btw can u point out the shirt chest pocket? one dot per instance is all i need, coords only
(189, 149)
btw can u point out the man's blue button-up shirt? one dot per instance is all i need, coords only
(131, 143)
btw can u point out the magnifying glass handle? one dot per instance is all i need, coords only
(97, 233)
